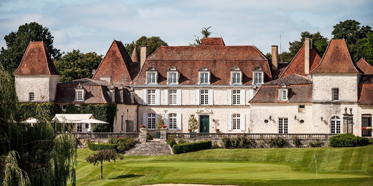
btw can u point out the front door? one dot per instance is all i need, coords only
(204, 124)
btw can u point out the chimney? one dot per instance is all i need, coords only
(274, 57)
(143, 55)
(307, 47)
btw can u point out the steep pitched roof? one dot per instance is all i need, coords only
(336, 59)
(296, 66)
(117, 64)
(218, 59)
(299, 90)
(366, 90)
(135, 56)
(36, 61)
(364, 66)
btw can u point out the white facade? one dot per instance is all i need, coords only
(42, 87)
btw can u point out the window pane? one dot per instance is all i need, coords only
(31, 96)
(236, 97)
(204, 78)
(151, 97)
(151, 121)
(172, 97)
(283, 125)
(335, 93)
(172, 121)
(236, 121)
(204, 97)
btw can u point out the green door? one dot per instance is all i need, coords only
(204, 126)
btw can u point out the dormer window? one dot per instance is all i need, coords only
(283, 93)
(258, 76)
(151, 76)
(236, 76)
(204, 76)
(172, 76)
(79, 93)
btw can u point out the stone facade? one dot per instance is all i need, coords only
(43, 87)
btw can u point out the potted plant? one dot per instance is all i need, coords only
(164, 126)
(193, 125)
(159, 125)
(142, 126)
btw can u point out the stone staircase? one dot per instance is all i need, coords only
(150, 148)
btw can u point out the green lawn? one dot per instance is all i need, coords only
(336, 166)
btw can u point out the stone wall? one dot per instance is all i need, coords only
(43, 88)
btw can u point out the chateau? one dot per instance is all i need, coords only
(229, 89)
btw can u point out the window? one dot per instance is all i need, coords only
(87, 126)
(172, 97)
(258, 76)
(79, 127)
(204, 97)
(283, 93)
(236, 121)
(335, 92)
(236, 97)
(236, 78)
(151, 120)
(301, 108)
(79, 96)
(335, 123)
(151, 97)
(283, 125)
(204, 78)
(172, 78)
(366, 122)
(172, 118)
(31, 96)
(150, 77)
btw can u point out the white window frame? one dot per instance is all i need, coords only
(151, 77)
(31, 96)
(258, 76)
(79, 95)
(172, 97)
(236, 121)
(172, 121)
(173, 78)
(236, 78)
(283, 94)
(335, 125)
(151, 96)
(283, 125)
(151, 120)
(236, 97)
(204, 97)
(204, 76)
(335, 94)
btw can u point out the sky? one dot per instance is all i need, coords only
(92, 25)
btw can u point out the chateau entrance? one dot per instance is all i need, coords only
(204, 124)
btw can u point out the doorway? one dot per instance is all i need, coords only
(204, 124)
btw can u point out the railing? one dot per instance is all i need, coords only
(104, 135)
(257, 136)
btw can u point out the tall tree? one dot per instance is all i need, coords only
(40, 154)
(76, 65)
(318, 40)
(153, 43)
(17, 42)
(205, 33)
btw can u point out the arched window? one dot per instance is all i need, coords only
(335, 125)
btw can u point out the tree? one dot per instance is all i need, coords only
(17, 42)
(193, 123)
(153, 43)
(205, 33)
(103, 155)
(318, 40)
(159, 123)
(364, 49)
(40, 154)
(76, 65)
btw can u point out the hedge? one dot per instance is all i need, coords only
(102, 146)
(347, 140)
(190, 147)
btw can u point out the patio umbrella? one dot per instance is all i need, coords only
(92, 121)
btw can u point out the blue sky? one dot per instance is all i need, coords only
(91, 25)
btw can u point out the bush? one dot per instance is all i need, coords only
(370, 140)
(171, 141)
(316, 143)
(113, 140)
(190, 147)
(347, 140)
(226, 142)
(102, 146)
(296, 141)
(181, 141)
(125, 143)
(277, 142)
(149, 136)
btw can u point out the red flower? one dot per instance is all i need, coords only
(142, 126)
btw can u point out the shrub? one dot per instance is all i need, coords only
(316, 143)
(347, 140)
(102, 146)
(181, 141)
(125, 143)
(226, 142)
(296, 141)
(171, 141)
(370, 140)
(277, 142)
(149, 136)
(190, 147)
(113, 140)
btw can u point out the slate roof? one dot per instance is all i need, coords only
(296, 66)
(366, 90)
(336, 59)
(219, 59)
(299, 90)
(364, 66)
(36, 61)
(96, 92)
(117, 64)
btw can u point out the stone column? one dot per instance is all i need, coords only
(350, 122)
(163, 137)
(142, 135)
(345, 121)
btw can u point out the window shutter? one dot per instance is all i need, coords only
(229, 121)
(144, 96)
(211, 97)
(165, 100)
(242, 121)
(165, 119)
(251, 94)
(178, 95)
(229, 97)
(178, 121)
(157, 96)
(144, 118)
(197, 97)
(242, 97)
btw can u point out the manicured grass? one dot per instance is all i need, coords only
(336, 166)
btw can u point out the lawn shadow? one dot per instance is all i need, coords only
(126, 176)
